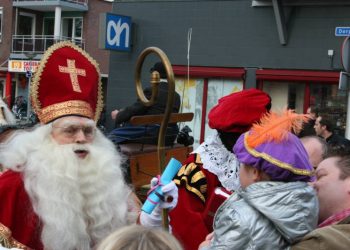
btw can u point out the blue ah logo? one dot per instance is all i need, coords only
(118, 32)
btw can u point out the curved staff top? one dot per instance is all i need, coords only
(155, 80)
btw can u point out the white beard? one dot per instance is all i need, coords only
(79, 201)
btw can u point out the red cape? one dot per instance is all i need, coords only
(189, 219)
(16, 213)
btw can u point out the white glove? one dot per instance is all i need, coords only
(168, 201)
(170, 194)
(152, 220)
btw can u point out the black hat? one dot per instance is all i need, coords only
(159, 66)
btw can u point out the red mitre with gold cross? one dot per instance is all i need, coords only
(67, 82)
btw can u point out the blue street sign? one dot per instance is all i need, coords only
(342, 31)
(29, 74)
(115, 32)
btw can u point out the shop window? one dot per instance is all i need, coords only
(191, 92)
(202, 90)
(331, 101)
(296, 96)
(285, 94)
(218, 88)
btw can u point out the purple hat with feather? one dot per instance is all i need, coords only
(271, 148)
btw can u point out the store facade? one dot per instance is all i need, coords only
(219, 47)
(297, 89)
(28, 28)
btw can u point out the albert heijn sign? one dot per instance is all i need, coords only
(115, 32)
(22, 66)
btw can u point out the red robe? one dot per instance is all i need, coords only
(190, 220)
(19, 225)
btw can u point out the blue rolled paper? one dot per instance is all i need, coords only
(169, 172)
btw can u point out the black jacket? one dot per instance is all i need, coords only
(337, 140)
(138, 108)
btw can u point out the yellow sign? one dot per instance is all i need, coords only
(22, 66)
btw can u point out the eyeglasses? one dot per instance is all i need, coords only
(73, 130)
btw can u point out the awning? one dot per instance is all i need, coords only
(298, 75)
(207, 72)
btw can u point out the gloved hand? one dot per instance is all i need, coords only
(170, 194)
(167, 201)
(152, 220)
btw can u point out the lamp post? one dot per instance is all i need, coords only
(29, 73)
(29, 106)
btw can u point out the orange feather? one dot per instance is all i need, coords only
(275, 127)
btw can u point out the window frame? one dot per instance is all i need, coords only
(30, 15)
(73, 27)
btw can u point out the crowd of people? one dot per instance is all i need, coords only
(264, 180)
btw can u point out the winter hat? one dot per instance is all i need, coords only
(273, 149)
(238, 111)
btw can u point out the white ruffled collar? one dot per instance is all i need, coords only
(219, 161)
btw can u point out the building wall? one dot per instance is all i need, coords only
(226, 34)
(90, 36)
(6, 32)
(91, 23)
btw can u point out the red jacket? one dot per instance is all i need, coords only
(190, 220)
(18, 222)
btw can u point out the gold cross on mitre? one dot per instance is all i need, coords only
(73, 73)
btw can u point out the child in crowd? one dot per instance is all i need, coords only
(137, 237)
(275, 206)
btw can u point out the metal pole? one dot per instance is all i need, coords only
(28, 98)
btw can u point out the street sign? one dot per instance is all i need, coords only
(342, 31)
(29, 74)
(115, 32)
